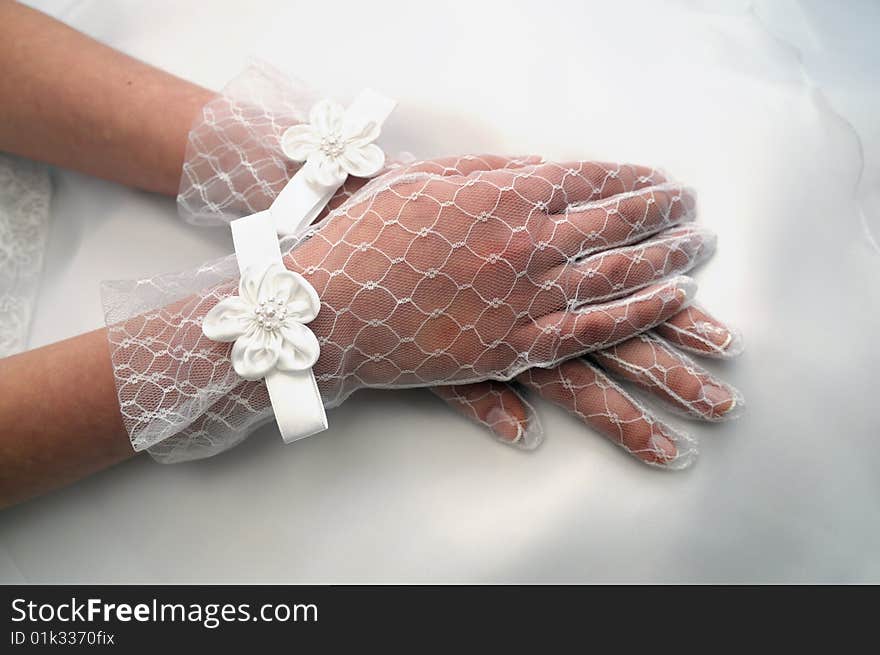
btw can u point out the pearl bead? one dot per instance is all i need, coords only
(271, 314)
(332, 145)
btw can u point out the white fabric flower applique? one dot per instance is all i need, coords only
(333, 145)
(267, 322)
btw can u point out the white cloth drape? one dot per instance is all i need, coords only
(24, 223)
(397, 490)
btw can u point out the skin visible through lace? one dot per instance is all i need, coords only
(437, 279)
(587, 388)
(238, 135)
(419, 233)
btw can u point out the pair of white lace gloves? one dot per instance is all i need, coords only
(473, 275)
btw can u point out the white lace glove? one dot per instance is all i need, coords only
(442, 272)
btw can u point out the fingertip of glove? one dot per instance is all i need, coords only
(681, 455)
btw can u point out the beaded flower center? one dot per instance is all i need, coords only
(332, 145)
(270, 314)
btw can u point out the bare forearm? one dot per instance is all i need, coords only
(59, 416)
(71, 101)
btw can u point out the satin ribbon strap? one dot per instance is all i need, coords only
(296, 400)
(295, 397)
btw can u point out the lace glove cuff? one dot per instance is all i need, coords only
(234, 163)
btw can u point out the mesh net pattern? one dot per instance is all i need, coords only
(695, 331)
(234, 165)
(593, 389)
(652, 364)
(441, 272)
(598, 401)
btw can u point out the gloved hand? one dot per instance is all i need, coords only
(652, 361)
(441, 272)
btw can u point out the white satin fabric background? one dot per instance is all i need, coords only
(768, 110)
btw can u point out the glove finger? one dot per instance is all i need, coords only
(498, 407)
(590, 227)
(602, 404)
(557, 185)
(697, 331)
(569, 333)
(656, 367)
(623, 271)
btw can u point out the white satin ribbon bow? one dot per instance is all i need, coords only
(267, 319)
